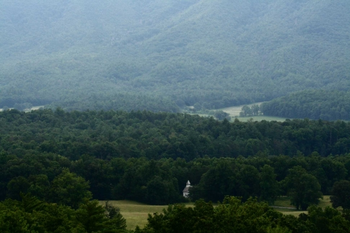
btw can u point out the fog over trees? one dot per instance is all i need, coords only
(110, 54)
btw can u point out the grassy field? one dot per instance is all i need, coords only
(260, 118)
(234, 113)
(282, 204)
(235, 110)
(251, 118)
(136, 213)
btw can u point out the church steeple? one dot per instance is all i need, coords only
(186, 191)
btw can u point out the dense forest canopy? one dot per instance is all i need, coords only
(108, 134)
(52, 163)
(84, 54)
(149, 157)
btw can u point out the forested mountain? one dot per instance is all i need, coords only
(172, 53)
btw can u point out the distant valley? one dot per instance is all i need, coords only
(122, 90)
(166, 55)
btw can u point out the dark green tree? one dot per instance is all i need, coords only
(341, 194)
(116, 222)
(327, 220)
(268, 185)
(248, 182)
(221, 115)
(157, 191)
(16, 186)
(255, 109)
(39, 186)
(216, 183)
(32, 215)
(246, 111)
(303, 188)
(69, 189)
(92, 216)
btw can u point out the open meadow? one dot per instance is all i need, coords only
(136, 213)
(235, 110)
(234, 113)
(282, 204)
(259, 118)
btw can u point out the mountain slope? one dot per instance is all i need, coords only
(209, 53)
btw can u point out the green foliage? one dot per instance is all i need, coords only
(303, 188)
(30, 203)
(315, 104)
(59, 159)
(121, 101)
(32, 215)
(116, 222)
(148, 157)
(327, 220)
(16, 186)
(79, 54)
(69, 189)
(160, 191)
(253, 110)
(221, 115)
(91, 216)
(216, 183)
(251, 216)
(341, 194)
(268, 184)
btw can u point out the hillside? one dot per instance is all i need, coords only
(320, 104)
(87, 54)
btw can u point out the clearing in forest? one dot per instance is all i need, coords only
(136, 213)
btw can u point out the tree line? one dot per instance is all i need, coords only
(233, 215)
(314, 104)
(111, 134)
(148, 157)
(303, 178)
(29, 214)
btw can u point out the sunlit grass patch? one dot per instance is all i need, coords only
(282, 204)
(260, 118)
(136, 213)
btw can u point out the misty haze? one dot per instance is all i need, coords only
(175, 116)
(167, 55)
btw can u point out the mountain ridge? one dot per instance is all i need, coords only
(213, 54)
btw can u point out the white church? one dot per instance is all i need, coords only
(186, 191)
